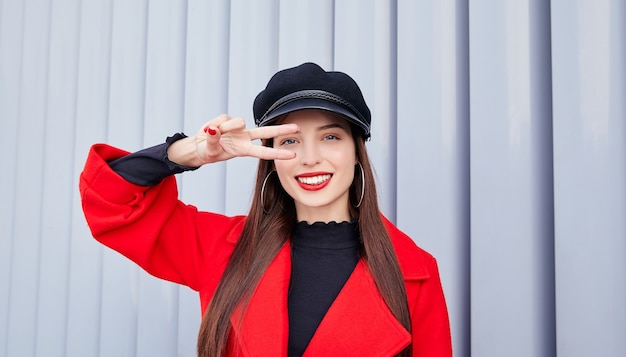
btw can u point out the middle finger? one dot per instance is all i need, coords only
(233, 124)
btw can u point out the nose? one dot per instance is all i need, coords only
(310, 155)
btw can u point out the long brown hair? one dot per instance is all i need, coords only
(268, 228)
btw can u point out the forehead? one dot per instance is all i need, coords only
(315, 118)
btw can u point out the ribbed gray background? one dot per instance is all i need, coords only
(499, 143)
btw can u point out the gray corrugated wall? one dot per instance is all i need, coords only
(499, 145)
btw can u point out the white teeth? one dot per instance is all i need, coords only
(315, 180)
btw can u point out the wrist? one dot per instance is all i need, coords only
(182, 151)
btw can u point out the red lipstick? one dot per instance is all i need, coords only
(313, 181)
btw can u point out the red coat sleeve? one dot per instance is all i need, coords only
(150, 226)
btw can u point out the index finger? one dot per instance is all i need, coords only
(271, 131)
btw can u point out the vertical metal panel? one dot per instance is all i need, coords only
(165, 70)
(26, 253)
(383, 152)
(383, 146)
(58, 183)
(433, 145)
(365, 48)
(306, 33)
(253, 59)
(11, 39)
(364, 40)
(128, 66)
(92, 102)
(589, 53)
(511, 312)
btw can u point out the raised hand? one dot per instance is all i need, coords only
(224, 138)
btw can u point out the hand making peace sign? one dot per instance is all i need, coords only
(223, 138)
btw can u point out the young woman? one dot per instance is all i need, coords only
(314, 269)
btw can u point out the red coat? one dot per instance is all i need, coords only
(176, 242)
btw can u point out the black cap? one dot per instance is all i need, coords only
(308, 86)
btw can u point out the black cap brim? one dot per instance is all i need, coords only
(314, 103)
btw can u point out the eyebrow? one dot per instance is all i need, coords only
(331, 126)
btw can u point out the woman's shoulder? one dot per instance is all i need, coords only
(415, 262)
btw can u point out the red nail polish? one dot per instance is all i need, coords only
(211, 131)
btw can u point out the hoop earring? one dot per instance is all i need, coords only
(266, 211)
(362, 185)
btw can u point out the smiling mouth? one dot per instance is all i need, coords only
(314, 180)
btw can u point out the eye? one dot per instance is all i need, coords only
(331, 137)
(287, 142)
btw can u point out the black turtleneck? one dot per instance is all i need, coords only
(323, 257)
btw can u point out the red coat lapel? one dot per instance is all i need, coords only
(358, 323)
(263, 329)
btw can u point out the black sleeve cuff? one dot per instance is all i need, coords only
(149, 166)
